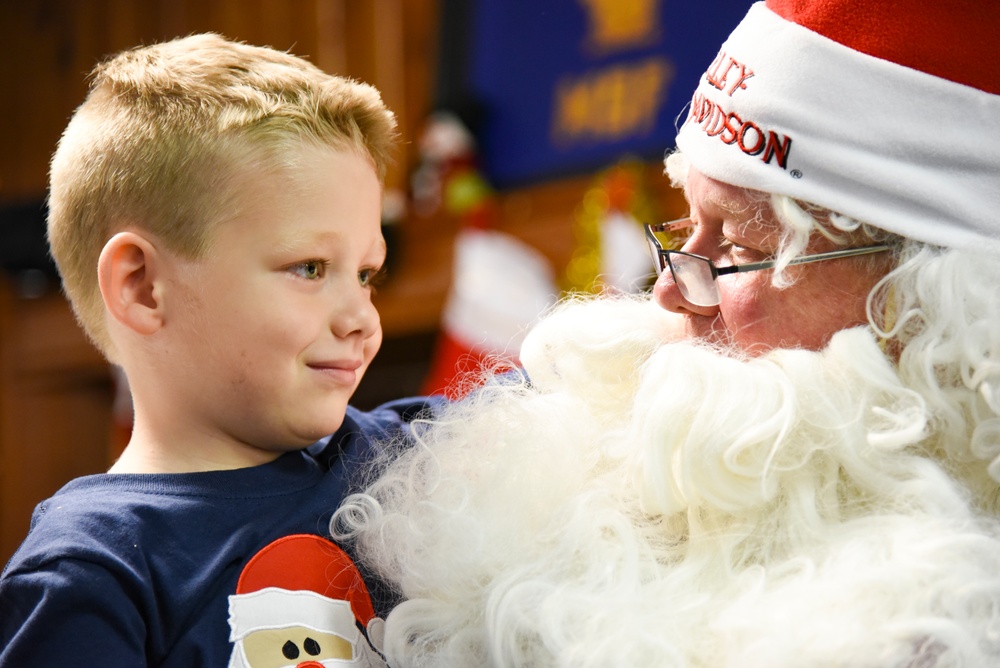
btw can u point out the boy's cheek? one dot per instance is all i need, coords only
(373, 344)
(371, 347)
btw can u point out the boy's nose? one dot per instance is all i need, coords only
(357, 315)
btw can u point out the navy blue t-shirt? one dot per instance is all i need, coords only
(162, 569)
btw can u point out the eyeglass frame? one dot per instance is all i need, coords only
(661, 256)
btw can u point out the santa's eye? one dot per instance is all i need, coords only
(311, 647)
(290, 650)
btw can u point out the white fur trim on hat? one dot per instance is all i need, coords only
(786, 110)
(276, 608)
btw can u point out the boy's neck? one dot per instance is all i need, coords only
(144, 454)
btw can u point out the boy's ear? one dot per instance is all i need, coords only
(129, 275)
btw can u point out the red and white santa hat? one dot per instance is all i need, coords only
(887, 111)
(301, 580)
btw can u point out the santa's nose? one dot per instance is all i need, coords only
(309, 664)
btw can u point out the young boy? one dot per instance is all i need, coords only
(215, 216)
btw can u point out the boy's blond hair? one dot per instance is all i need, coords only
(160, 135)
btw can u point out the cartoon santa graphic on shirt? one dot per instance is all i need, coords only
(301, 603)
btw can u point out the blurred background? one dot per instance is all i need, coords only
(533, 138)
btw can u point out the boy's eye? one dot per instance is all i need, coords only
(370, 277)
(310, 270)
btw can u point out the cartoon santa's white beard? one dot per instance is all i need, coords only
(648, 502)
(277, 628)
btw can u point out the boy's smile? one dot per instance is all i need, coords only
(274, 327)
(342, 372)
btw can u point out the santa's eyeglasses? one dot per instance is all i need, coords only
(696, 276)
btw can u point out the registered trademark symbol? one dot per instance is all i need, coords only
(796, 174)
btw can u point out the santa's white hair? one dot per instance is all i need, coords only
(637, 500)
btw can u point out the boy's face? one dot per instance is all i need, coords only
(275, 326)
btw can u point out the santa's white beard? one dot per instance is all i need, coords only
(655, 503)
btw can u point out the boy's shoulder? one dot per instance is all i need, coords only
(109, 514)
(156, 558)
(118, 519)
(394, 414)
(115, 521)
(108, 543)
(390, 421)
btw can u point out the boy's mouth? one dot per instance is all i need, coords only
(343, 372)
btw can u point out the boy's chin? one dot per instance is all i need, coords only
(322, 428)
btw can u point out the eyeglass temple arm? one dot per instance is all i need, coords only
(805, 259)
(671, 226)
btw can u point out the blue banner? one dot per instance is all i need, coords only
(570, 86)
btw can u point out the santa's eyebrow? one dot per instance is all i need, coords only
(721, 204)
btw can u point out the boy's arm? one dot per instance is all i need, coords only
(365, 441)
(388, 422)
(68, 613)
(402, 412)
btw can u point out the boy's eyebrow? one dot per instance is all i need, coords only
(296, 240)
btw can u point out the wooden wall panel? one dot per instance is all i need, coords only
(55, 399)
(50, 45)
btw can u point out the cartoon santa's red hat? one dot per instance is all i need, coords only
(887, 111)
(301, 580)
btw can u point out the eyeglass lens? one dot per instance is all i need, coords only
(658, 260)
(694, 279)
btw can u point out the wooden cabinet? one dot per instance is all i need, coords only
(50, 45)
(55, 398)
